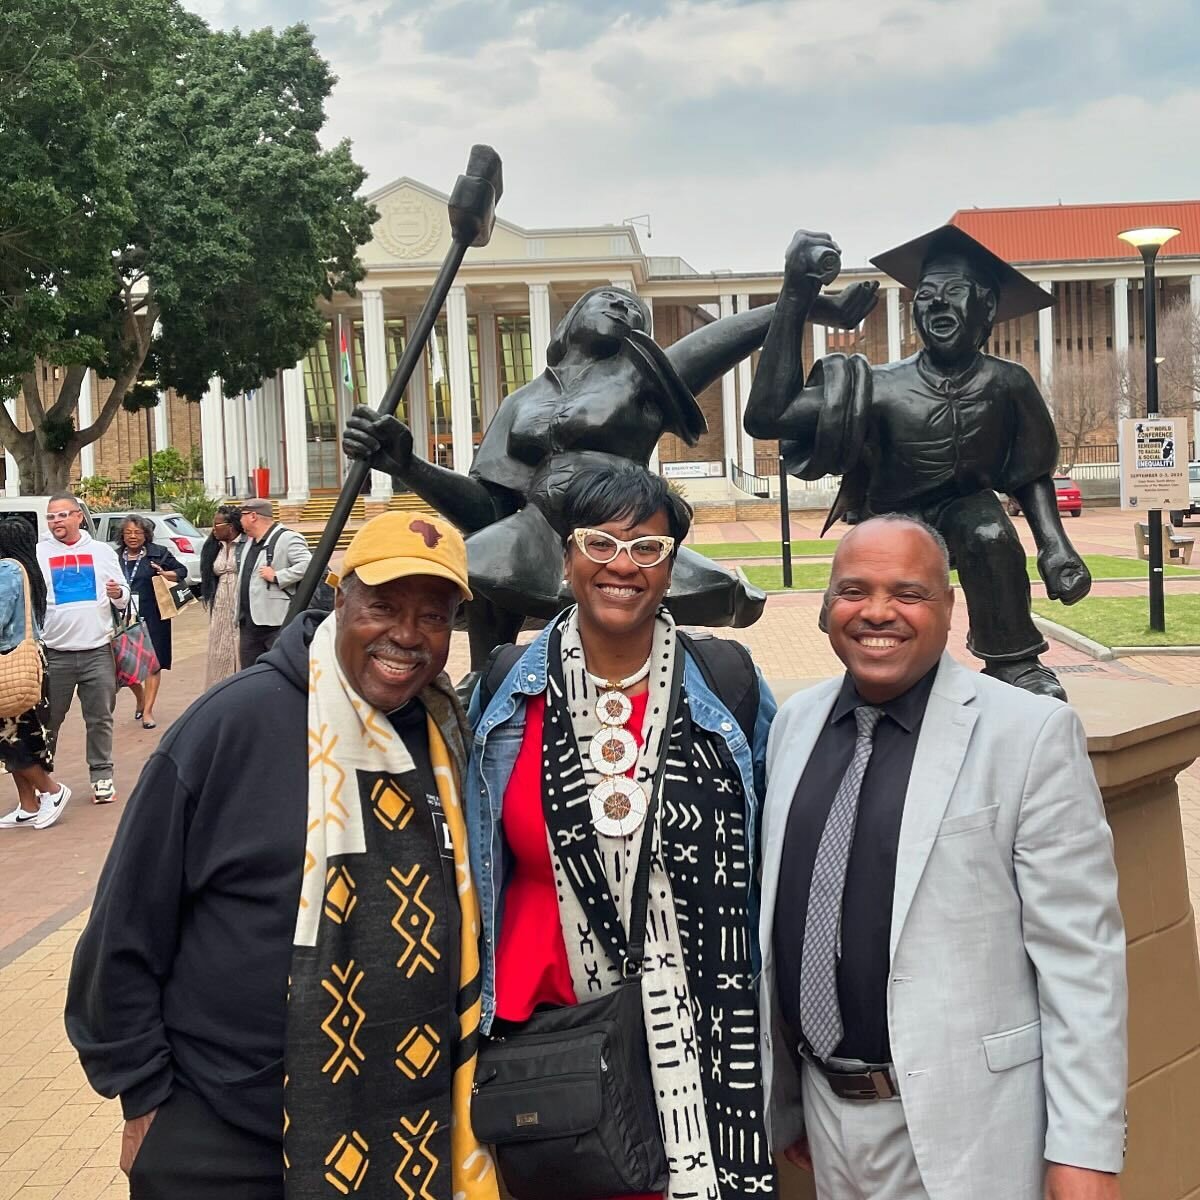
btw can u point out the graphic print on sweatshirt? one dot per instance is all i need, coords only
(73, 577)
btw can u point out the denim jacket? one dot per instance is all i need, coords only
(498, 734)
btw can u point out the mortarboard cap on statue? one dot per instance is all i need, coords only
(1016, 294)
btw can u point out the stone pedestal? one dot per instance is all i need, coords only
(1140, 736)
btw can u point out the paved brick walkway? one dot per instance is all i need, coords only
(57, 1138)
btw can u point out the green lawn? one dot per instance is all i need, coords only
(1102, 566)
(800, 549)
(1124, 621)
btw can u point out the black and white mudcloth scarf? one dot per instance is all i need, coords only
(384, 990)
(699, 1000)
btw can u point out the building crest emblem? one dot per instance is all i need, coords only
(408, 226)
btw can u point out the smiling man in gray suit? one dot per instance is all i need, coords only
(943, 982)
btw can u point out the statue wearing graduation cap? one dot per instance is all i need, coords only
(934, 436)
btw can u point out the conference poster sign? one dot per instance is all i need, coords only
(1154, 463)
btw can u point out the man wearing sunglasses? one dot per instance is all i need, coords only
(84, 581)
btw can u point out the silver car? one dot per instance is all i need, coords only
(172, 531)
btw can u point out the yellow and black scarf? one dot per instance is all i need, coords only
(384, 996)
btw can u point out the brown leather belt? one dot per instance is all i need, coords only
(873, 1082)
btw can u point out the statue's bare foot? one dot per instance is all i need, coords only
(1029, 674)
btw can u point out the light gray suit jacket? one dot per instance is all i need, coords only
(1007, 996)
(289, 557)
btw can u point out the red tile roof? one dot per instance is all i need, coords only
(1078, 232)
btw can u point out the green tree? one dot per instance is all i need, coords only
(171, 216)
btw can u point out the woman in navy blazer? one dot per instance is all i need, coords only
(142, 559)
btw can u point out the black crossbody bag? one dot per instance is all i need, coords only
(567, 1098)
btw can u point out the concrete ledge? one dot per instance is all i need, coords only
(1085, 645)
(1069, 637)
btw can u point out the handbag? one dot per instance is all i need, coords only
(172, 597)
(567, 1098)
(133, 651)
(21, 667)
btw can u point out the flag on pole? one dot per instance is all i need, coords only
(344, 353)
(437, 378)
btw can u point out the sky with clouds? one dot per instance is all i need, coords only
(732, 122)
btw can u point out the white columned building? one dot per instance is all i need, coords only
(895, 341)
(458, 348)
(236, 468)
(295, 432)
(375, 355)
(1121, 339)
(1046, 348)
(417, 397)
(12, 479)
(212, 438)
(489, 365)
(271, 425)
(820, 342)
(744, 379)
(87, 456)
(162, 423)
(729, 421)
(540, 328)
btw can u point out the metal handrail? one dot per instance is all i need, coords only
(754, 485)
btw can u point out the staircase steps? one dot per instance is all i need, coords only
(319, 509)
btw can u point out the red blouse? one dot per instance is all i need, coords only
(531, 956)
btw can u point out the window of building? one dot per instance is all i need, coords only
(516, 353)
(437, 377)
(321, 414)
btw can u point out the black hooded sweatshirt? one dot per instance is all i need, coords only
(180, 977)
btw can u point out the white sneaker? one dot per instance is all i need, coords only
(19, 819)
(53, 804)
(103, 791)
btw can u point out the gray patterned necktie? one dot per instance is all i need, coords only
(822, 1015)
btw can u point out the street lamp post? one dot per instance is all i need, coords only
(1148, 241)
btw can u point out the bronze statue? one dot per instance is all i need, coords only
(933, 435)
(609, 391)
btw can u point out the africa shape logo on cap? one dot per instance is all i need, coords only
(430, 534)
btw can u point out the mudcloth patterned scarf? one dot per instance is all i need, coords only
(699, 1001)
(384, 998)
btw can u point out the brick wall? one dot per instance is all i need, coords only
(672, 322)
(124, 442)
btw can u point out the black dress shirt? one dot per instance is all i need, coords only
(871, 873)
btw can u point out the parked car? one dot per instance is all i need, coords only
(1070, 498)
(1177, 518)
(33, 509)
(171, 530)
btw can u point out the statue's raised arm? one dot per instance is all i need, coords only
(707, 353)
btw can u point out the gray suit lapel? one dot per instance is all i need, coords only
(788, 766)
(941, 748)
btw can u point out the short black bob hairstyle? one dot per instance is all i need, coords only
(621, 491)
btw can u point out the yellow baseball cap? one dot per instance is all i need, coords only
(396, 544)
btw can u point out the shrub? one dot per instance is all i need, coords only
(198, 508)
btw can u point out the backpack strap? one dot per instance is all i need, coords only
(501, 660)
(269, 554)
(729, 672)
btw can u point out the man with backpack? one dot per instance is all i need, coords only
(272, 564)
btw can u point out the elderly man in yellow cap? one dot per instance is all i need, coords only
(280, 976)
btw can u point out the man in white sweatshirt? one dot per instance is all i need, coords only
(83, 580)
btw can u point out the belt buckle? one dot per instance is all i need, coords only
(862, 1085)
